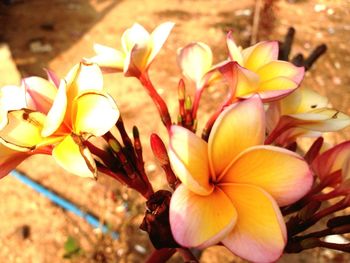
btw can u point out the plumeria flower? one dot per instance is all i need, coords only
(22, 115)
(196, 63)
(336, 159)
(21, 137)
(139, 50)
(304, 113)
(233, 185)
(81, 109)
(78, 110)
(261, 72)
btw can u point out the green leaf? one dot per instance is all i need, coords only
(71, 247)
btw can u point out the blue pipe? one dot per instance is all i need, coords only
(92, 220)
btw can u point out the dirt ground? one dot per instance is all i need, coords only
(56, 34)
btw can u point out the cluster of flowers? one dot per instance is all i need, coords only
(231, 186)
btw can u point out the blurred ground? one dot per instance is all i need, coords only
(57, 34)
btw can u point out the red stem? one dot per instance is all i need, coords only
(197, 98)
(157, 99)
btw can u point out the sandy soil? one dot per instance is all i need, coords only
(67, 30)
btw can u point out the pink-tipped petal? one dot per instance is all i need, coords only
(237, 128)
(260, 232)
(235, 52)
(274, 89)
(230, 73)
(332, 160)
(260, 54)
(195, 60)
(52, 77)
(200, 221)
(40, 93)
(282, 173)
(189, 159)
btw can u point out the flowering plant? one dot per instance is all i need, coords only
(244, 184)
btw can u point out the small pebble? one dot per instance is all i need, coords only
(330, 11)
(319, 8)
(140, 249)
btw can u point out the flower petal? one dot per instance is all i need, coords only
(74, 157)
(108, 58)
(324, 119)
(189, 159)
(235, 52)
(23, 130)
(158, 38)
(136, 34)
(197, 220)
(136, 43)
(94, 113)
(276, 88)
(10, 159)
(260, 54)
(332, 160)
(40, 93)
(260, 232)
(83, 76)
(11, 98)
(237, 128)
(52, 77)
(275, 69)
(247, 82)
(195, 60)
(55, 116)
(282, 173)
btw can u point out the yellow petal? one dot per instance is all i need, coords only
(158, 38)
(195, 60)
(200, 221)
(235, 52)
(23, 130)
(247, 82)
(276, 88)
(282, 173)
(302, 100)
(83, 76)
(260, 54)
(189, 159)
(40, 94)
(94, 113)
(74, 157)
(55, 116)
(275, 69)
(324, 120)
(237, 128)
(309, 101)
(260, 233)
(108, 58)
